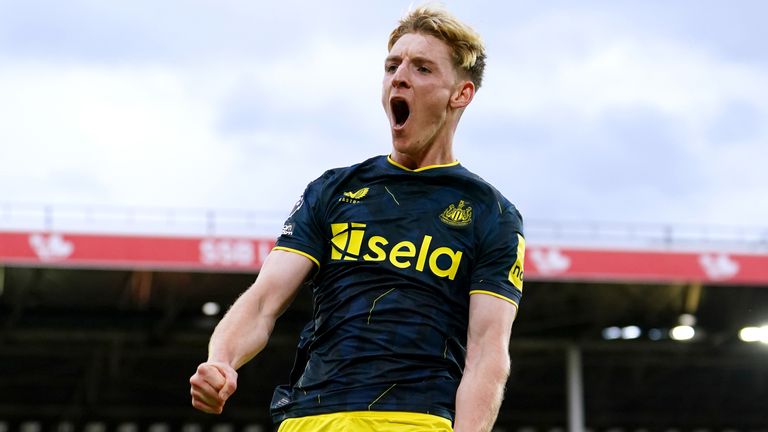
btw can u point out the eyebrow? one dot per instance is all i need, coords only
(414, 59)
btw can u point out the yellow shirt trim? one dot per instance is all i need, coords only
(392, 161)
(296, 251)
(490, 293)
(367, 421)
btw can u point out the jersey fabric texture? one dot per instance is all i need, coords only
(367, 421)
(399, 252)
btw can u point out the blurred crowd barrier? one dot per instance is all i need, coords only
(86, 219)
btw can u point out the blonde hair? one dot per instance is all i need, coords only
(466, 45)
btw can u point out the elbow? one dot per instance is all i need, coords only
(492, 364)
(503, 367)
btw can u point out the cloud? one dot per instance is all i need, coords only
(138, 132)
(596, 112)
(583, 110)
(328, 77)
(190, 32)
(589, 64)
(166, 135)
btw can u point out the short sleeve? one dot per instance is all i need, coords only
(498, 269)
(302, 232)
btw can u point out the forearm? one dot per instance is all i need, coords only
(480, 393)
(243, 332)
(246, 327)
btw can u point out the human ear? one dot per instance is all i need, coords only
(463, 95)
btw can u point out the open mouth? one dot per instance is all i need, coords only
(401, 111)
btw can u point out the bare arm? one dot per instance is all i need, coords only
(487, 365)
(246, 327)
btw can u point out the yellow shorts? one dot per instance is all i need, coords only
(368, 421)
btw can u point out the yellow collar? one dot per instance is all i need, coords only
(392, 161)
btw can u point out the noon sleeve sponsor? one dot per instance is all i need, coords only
(499, 267)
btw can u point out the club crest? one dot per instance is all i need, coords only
(457, 215)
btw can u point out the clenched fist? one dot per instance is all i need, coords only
(211, 385)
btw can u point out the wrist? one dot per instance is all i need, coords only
(219, 357)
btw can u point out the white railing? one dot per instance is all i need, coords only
(261, 223)
(648, 235)
(139, 220)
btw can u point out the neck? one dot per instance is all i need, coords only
(433, 156)
(437, 152)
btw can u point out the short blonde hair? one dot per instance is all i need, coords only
(465, 43)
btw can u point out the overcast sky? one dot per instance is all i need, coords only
(628, 111)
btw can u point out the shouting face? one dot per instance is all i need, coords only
(423, 96)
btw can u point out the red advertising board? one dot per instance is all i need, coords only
(45, 249)
(553, 263)
(113, 251)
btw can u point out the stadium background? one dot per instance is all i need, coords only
(651, 111)
(105, 313)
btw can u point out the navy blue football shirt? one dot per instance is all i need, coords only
(399, 252)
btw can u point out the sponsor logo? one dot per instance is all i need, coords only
(227, 252)
(354, 197)
(719, 266)
(351, 243)
(459, 215)
(516, 272)
(52, 247)
(288, 229)
(550, 261)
